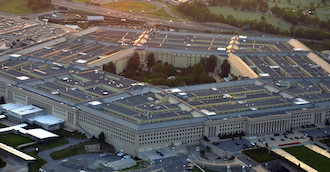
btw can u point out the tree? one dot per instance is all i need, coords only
(109, 67)
(101, 137)
(2, 100)
(134, 61)
(235, 2)
(198, 69)
(158, 68)
(150, 59)
(211, 63)
(225, 69)
(325, 43)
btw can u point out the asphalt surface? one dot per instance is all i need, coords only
(54, 165)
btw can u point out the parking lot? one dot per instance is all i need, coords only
(233, 146)
(317, 132)
(278, 139)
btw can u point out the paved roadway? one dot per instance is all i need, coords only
(54, 165)
(150, 20)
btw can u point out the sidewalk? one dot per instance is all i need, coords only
(318, 150)
(294, 160)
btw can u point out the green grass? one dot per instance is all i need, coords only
(261, 154)
(51, 144)
(14, 139)
(304, 4)
(324, 13)
(74, 135)
(16, 7)
(160, 14)
(245, 15)
(313, 159)
(179, 14)
(67, 152)
(34, 167)
(3, 126)
(130, 5)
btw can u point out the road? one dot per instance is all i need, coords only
(150, 20)
(55, 164)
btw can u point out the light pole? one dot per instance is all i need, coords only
(161, 164)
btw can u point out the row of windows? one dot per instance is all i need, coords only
(114, 131)
(197, 129)
(172, 139)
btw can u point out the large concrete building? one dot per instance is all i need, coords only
(135, 116)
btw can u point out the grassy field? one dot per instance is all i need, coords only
(160, 14)
(34, 167)
(313, 159)
(16, 6)
(179, 14)
(261, 154)
(323, 13)
(303, 4)
(245, 15)
(130, 5)
(14, 139)
(70, 151)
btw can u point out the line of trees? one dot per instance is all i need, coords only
(159, 73)
(248, 5)
(299, 18)
(201, 13)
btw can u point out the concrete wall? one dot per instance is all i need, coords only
(120, 58)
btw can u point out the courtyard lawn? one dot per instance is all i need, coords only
(14, 140)
(135, 6)
(67, 152)
(245, 15)
(313, 159)
(34, 167)
(261, 154)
